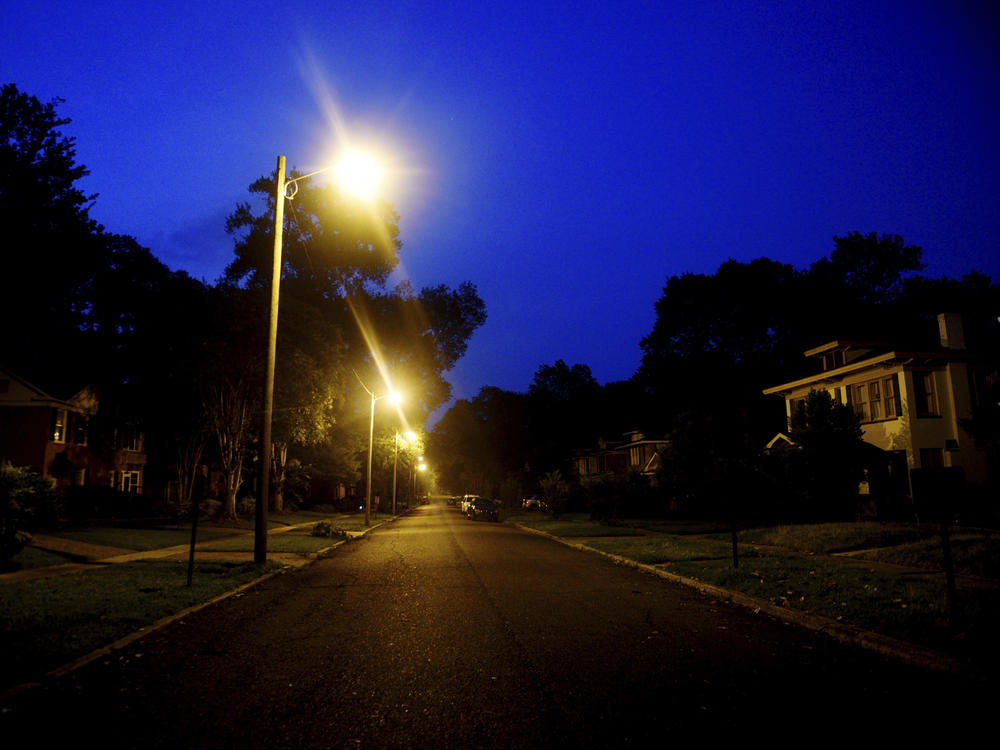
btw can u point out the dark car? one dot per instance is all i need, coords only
(534, 502)
(481, 508)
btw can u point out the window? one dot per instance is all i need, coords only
(80, 424)
(59, 417)
(891, 396)
(931, 458)
(833, 360)
(874, 400)
(925, 394)
(131, 481)
(858, 397)
(131, 440)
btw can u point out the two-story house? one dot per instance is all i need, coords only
(635, 452)
(911, 402)
(52, 435)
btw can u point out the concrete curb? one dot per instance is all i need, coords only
(881, 644)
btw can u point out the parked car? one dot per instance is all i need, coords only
(534, 502)
(481, 508)
(466, 499)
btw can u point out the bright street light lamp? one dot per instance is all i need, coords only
(358, 175)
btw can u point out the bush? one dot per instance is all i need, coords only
(27, 501)
(325, 528)
(631, 496)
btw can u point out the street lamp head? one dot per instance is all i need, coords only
(359, 173)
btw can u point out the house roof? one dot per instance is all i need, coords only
(844, 344)
(884, 359)
(18, 391)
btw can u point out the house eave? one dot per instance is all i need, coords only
(882, 360)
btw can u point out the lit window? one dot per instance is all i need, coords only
(59, 425)
(131, 481)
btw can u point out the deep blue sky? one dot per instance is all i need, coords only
(565, 157)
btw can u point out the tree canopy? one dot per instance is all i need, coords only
(183, 360)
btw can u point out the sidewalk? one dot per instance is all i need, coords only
(98, 555)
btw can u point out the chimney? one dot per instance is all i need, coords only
(950, 329)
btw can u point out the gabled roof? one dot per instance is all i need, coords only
(16, 391)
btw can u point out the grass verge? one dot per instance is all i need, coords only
(140, 539)
(97, 608)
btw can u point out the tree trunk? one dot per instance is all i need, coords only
(280, 455)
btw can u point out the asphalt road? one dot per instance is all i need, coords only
(435, 631)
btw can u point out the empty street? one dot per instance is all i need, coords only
(437, 631)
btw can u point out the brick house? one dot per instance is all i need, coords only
(52, 435)
(634, 452)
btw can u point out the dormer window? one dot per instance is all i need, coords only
(833, 360)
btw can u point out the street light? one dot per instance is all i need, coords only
(394, 398)
(410, 437)
(358, 174)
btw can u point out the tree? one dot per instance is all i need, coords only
(830, 464)
(871, 268)
(52, 248)
(337, 315)
(561, 406)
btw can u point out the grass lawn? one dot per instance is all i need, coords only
(826, 538)
(912, 608)
(97, 607)
(33, 557)
(972, 555)
(654, 550)
(275, 543)
(572, 525)
(138, 538)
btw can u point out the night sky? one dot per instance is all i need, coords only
(567, 158)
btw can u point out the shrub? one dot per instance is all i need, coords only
(325, 528)
(27, 501)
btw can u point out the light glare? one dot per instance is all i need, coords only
(359, 173)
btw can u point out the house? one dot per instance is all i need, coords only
(911, 402)
(52, 435)
(634, 452)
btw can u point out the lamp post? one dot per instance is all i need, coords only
(359, 174)
(410, 437)
(394, 397)
(420, 467)
(395, 462)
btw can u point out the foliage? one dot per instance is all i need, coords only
(830, 464)
(556, 492)
(611, 498)
(51, 247)
(27, 500)
(327, 529)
